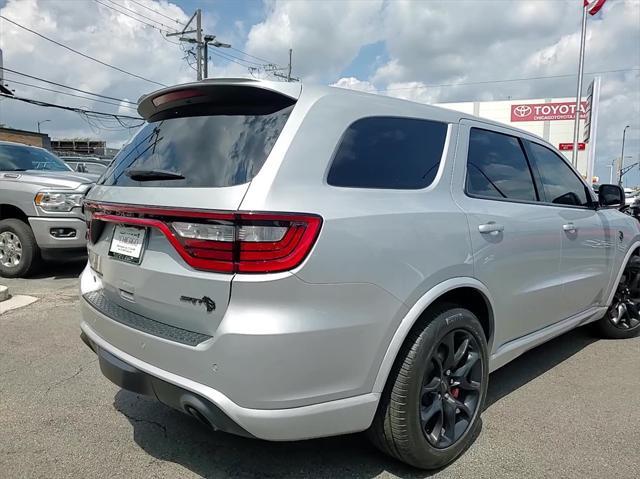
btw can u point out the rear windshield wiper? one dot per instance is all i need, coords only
(152, 175)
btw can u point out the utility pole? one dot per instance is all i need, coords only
(40, 123)
(199, 42)
(205, 67)
(202, 43)
(275, 70)
(3, 88)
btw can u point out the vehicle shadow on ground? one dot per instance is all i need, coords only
(536, 362)
(60, 269)
(169, 435)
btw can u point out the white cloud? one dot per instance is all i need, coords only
(353, 83)
(109, 36)
(463, 42)
(429, 47)
(325, 36)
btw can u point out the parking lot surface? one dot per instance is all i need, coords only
(570, 408)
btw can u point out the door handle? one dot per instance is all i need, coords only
(490, 228)
(570, 227)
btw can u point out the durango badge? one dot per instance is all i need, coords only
(206, 300)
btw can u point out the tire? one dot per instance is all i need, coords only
(29, 257)
(622, 319)
(607, 330)
(397, 428)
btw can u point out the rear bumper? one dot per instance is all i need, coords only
(46, 240)
(128, 377)
(282, 343)
(331, 418)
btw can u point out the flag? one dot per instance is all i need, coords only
(593, 6)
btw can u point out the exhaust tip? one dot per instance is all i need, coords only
(193, 412)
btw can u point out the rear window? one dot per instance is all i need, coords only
(388, 153)
(207, 146)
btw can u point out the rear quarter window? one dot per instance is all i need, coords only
(388, 153)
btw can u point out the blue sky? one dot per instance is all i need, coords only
(222, 17)
(404, 47)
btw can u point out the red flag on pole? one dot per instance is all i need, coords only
(593, 6)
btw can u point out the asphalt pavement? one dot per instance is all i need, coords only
(570, 408)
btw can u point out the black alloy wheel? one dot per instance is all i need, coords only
(429, 411)
(624, 312)
(450, 393)
(622, 319)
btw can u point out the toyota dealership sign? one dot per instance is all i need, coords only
(547, 111)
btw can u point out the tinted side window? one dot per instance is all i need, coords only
(497, 167)
(388, 152)
(560, 184)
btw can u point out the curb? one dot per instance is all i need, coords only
(4, 293)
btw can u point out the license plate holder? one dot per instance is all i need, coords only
(127, 243)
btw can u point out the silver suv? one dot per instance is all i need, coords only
(287, 262)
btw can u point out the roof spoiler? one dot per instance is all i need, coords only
(238, 93)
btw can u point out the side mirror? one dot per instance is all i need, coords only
(611, 195)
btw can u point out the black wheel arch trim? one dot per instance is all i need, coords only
(427, 300)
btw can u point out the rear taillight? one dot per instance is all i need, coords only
(225, 242)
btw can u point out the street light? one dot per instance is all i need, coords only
(624, 132)
(210, 40)
(41, 122)
(611, 167)
(625, 170)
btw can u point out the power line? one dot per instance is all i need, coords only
(159, 13)
(275, 70)
(82, 54)
(73, 109)
(250, 62)
(167, 40)
(131, 17)
(69, 94)
(569, 75)
(68, 87)
(155, 22)
(231, 59)
(202, 43)
(253, 56)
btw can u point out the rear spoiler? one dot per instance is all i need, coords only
(227, 94)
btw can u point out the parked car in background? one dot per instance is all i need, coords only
(83, 164)
(630, 196)
(287, 263)
(40, 208)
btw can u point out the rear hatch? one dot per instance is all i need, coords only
(174, 190)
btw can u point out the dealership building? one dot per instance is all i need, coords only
(549, 118)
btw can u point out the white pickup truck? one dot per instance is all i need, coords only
(40, 208)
